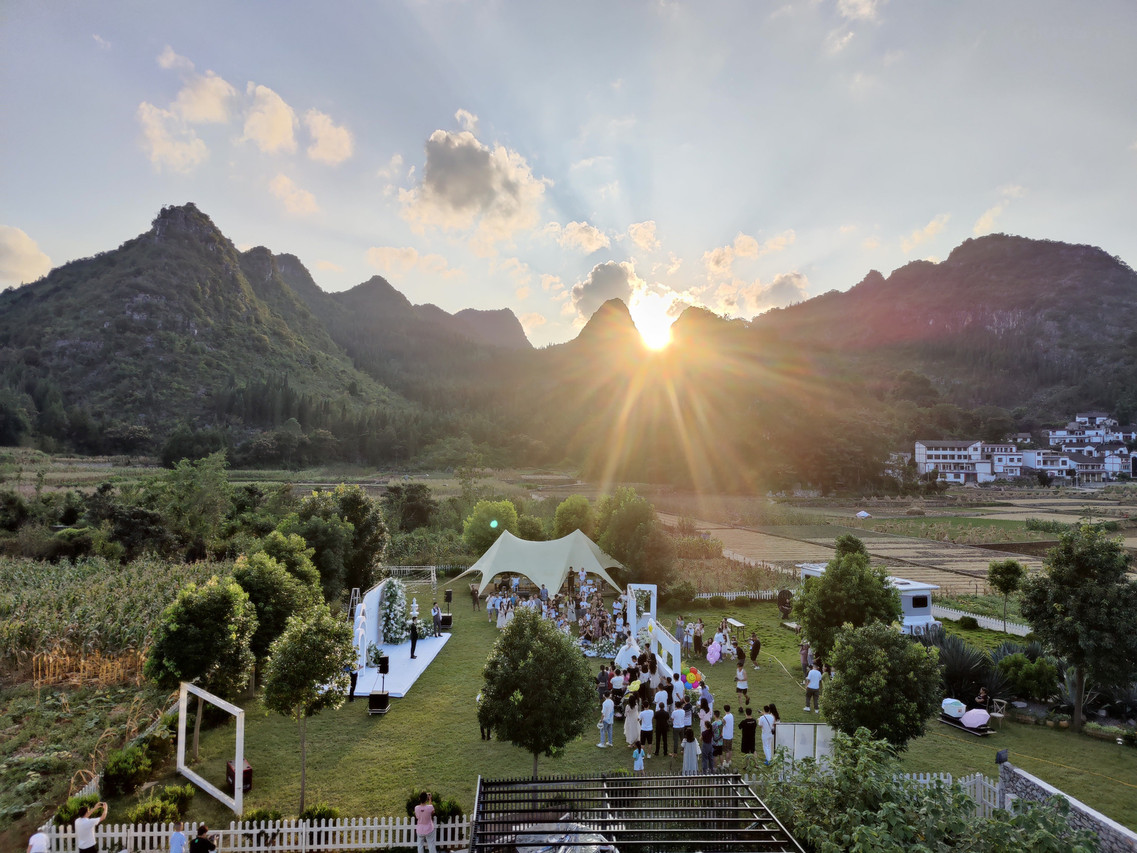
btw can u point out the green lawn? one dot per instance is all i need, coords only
(365, 766)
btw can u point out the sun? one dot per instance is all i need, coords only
(649, 311)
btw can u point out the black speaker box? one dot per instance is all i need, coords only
(447, 620)
(449, 596)
(384, 664)
(378, 702)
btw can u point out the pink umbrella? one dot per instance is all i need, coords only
(975, 718)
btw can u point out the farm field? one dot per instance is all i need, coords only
(367, 765)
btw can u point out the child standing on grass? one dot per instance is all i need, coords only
(637, 758)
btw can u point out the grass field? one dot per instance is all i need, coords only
(366, 766)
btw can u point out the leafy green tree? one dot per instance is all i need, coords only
(847, 544)
(574, 513)
(194, 498)
(205, 637)
(487, 522)
(626, 528)
(276, 595)
(409, 506)
(1085, 608)
(886, 682)
(350, 562)
(292, 552)
(306, 672)
(851, 592)
(330, 538)
(539, 693)
(530, 527)
(1006, 576)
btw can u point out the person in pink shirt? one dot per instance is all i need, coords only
(424, 823)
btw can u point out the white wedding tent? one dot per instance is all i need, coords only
(545, 563)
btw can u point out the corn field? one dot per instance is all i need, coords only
(93, 615)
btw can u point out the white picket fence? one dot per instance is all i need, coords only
(752, 594)
(273, 836)
(989, 622)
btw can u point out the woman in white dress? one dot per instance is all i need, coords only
(632, 722)
(691, 750)
(768, 723)
(502, 615)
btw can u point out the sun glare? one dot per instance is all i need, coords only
(649, 311)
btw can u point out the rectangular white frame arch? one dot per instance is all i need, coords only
(235, 802)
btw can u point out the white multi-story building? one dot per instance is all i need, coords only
(966, 461)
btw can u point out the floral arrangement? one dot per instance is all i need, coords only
(393, 608)
(643, 600)
(643, 638)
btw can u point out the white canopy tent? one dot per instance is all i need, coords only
(545, 563)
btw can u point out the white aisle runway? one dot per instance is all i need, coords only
(404, 671)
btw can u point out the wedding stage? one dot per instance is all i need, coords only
(404, 671)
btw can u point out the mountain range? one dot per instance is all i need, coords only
(178, 337)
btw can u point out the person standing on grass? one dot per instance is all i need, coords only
(474, 596)
(637, 757)
(85, 825)
(607, 716)
(662, 724)
(716, 738)
(690, 754)
(768, 722)
(647, 726)
(813, 687)
(707, 750)
(748, 726)
(436, 619)
(414, 636)
(806, 656)
(678, 726)
(755, 649)
(741, 685)
(178, 838)
(727, 736)
(424, 823)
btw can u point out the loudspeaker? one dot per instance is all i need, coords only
(384, 664)
(378, 702)
(449, 595)
(447, 620)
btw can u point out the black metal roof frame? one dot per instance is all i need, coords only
(636, 814)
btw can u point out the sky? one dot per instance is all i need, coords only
(545, 157)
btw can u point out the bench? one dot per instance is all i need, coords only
(734, 623)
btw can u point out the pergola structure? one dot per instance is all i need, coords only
(629, 814)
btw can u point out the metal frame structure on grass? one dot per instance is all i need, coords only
(633, 814)
(415, 575)
(235, 802)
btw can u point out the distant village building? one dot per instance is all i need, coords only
(915, 599)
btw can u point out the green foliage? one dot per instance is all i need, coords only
(1029, 679)
(292, 552)
(153, 810)
(320, 811)
(539, 692)
(410, 506)
(1006, 576)
(887, 683)
(532, 528)
(179, 795)
(487, 521)
(698, 548)
(125, 770)
(857, 801)
(850, 592)
(847, 544)
(194, 498)
(680, 593)
(716, 602)
(276, 595)
(574, 513)
(964, 668)
(968, 623)
(424, 547)
(204, 637)
(1084, 607)
(65, 815)
(627, 528)
(1046, 525)
(349, 534)
(306, 672)
(444, 809)
(330, 538)
(262, 816)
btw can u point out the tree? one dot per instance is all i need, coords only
(487, 522)
(205, 637)
(574, 513)
(886, 682)
(292, 552)
(1085, 608)
(307, 672)
(850, 592)
(330, 538)
(349, 563)
(276, 595)
(1006, 576)
(409, 506)
(194, 498)
(539, 692)
(626, 528)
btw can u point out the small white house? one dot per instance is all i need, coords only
(915, 599)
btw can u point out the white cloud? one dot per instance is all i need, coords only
(167, 141)
(579, 235)
(296, 200)
(837, 41)
(389, 259)
(609, 280)
(205, 98)
(270, 122)
(929, 231)
(329, 266)
(552, 283)
(467, 121)
(101, 42)
(532, 321)
(331, 143)
(516, 269)
(985, 224)
(643, 235)
(468, 185)
(871, 243)
(859, 10)
(21, 259)
(847, 229)
(173, 62)
(720, 261)
(393, 170)
(747, 299)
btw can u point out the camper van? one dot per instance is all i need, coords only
(915, 599)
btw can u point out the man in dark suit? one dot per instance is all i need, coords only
(414, 636)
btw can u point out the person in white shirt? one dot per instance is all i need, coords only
(813, 687)
(660, 698)
(38, 843)
(607, 715)
(647, 723)
(768, 723)
(677, 725)
(727, 736)
(85, 825)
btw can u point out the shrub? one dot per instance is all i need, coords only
(717, 602)
(968, 623)
(680, 592)
(320, 811)
(70, 809)
(1030, 680)
(444, 809)
(125, 770)
(686, 526)
(153, 810)
(179, 795)
(262, 816)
